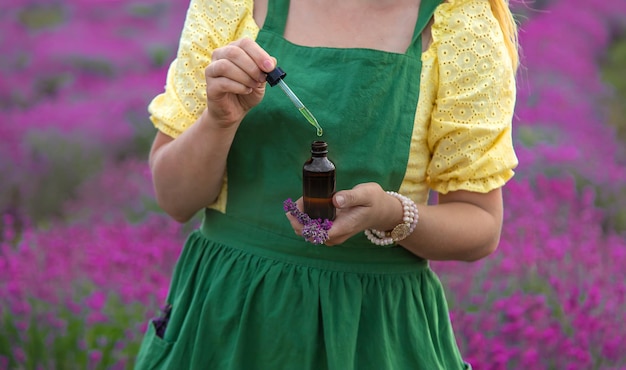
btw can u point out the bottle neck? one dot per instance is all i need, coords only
(319, 149)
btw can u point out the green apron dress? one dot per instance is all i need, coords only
(247, 293)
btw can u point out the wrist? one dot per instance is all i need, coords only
(392, 215)
(210, 121)
(402, 229)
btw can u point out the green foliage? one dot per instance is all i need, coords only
(42, 16)
(67, 162)
(160, 55)
(147, 10)
(72, 343)
(614, 73)
(532, 136)
(142, 136)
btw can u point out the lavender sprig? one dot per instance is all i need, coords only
(314, 230)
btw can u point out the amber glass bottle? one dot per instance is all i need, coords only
(318, 183)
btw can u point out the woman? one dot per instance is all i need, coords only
(412, 95)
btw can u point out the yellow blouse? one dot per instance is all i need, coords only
(462, 132)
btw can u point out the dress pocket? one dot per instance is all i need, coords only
(154, 350)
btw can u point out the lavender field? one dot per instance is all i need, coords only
(86, 254)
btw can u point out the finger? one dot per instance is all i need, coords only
(262, 59)
(336, 239)
(248, 56)
(226, 76)
(358, 196)
(300, 203)
(344, 227)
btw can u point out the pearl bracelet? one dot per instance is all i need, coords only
(409, 221)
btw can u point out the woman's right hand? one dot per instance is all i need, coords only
(235, 81)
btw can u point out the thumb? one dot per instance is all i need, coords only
(360, 195)
(348, 198)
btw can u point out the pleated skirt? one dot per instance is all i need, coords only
(245, 299)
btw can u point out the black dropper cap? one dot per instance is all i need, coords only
(274, 76)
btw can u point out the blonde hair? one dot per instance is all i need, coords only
(502, 12)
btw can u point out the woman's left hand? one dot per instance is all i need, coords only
(362, 207)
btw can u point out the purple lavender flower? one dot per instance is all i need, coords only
(314, 230)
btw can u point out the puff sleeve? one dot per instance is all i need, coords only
(209, 24)
(469, 137)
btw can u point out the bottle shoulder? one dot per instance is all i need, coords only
(319, 164)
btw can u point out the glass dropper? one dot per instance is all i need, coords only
(276, 77)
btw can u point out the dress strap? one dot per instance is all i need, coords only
(426, 12)
(276, 19)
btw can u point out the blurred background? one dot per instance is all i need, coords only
(86, 255)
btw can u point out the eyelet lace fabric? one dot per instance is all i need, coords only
(473, 102)
(209, 24)
(462, 133)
